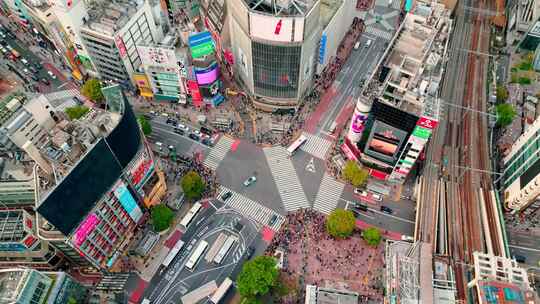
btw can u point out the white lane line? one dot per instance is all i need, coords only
(381, 213)
(524, 248)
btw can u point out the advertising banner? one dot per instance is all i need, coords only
(202, 50)
(151, 56)
(271, 28)
(322, 48)
(421, 133)
(17, 247)
(85, 228)
(142, 171)
(208, 77)
(199, 38)
(121, 46)
(195, 93)
(358, 122)
(384, 141)
(427, 123)
(128, 202)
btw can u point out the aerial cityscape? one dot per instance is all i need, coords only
(270, 151)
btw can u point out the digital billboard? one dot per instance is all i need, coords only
(142, 171)
(385, 141)
(121, 46)
(128, 202)
(207, 77)
(201, 44)
(195, 93)
(85, 228)
(271, 28)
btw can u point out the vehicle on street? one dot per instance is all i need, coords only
(519, 258)
(45, 81)
(171, 121)
(193, 136)
(357, 45)
(9, 47)
(249, 252)
(32, 69)
(26, 71)
(24, 61)
(361, 207)
(37, 66)
(178, 131)
(188, 218)
(164, 114)
(386, 210)
(182, 127)
(4, 50)
(3, 42)
(206, 140)
(296, 145)
(51, 74)
(376, 197)
(359, 191)
(368, 43)
(15, 53)
(3, 35)
(226, 195)
(34, 77)
(407, 238)
(250, 181)
(196, 256)
(206, 130)
(160, 145)
(273, 220)
(221, 291)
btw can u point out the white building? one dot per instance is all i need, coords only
(112, 32)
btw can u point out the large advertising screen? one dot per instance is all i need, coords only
(128, 202)
(385, 141)
(85, 228)
(142, 171)
(207, 76)
(271, 28)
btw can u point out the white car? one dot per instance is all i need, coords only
(26, 71)
(250, 181)
(361, 192)
(407, 238)
(24, 61)
(376, 196)
(51, 74)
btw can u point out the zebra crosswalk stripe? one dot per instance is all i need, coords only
(329, 194)
(396, 4)
(379, 33)
(287, 182)
(315, 145)
(218, 152)
(251, 209)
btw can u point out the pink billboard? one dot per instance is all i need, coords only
(85, 228)
(208, 77)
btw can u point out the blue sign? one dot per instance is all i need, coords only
(209, 69)
(128, 202)
(322, 48)
(408, 5)
(18, 247)
(217, 100)
(199, 38)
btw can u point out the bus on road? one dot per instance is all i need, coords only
(296, 145)
(221, 291)
(190, 216)
(173, 253)
(196, 255)
(222, 253)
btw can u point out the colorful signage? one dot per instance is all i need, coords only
(121, 46)
(427, 123)
(142, 171)
(17, 247)
(202, 50)
(201, 44)
(195, 92)
(421, 132)
(208, 77)
(85, 228)
(128, 202)
(358, 122)
(322, 48)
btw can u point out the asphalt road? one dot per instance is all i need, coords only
(169, 285)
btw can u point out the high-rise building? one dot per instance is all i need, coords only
(28, 286)
(103, 174)
(111, 35)
(399, 105)
(521, 172)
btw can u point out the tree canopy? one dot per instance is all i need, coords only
(505, 114)
(340, 223)
(501, 93)
(92, 90)
(193, 185)
(146, 127)
(162, 217)
(76, 112)
(257, 277)
(354, 174)
(372, 236)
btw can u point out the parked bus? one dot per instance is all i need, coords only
(221, 291)
(224, 249)
(196, 255)
(296, 145)
(216, 246)
(173, 253)
(190, 216)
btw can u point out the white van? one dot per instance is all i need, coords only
(332, 128)
(357, 45)
(368, 43)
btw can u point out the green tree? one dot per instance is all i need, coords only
(372, 236)
(76, 112)
(92, 90)
(162, 217)
(354, 174)
(501, 93)
(257, 277)
(71, 300)
(192, 185)
(505, 114)
(340, 223)
(145, 125)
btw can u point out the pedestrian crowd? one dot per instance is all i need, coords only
(312, 256)
(364, 5)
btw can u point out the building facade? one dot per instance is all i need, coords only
(111, 35)
(274, 53)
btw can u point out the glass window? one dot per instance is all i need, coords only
(276, 70)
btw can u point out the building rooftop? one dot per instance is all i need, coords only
(282, 8)
(410, 71)
(319, 295)
(9, 281)
(328, 10)
(108, 17)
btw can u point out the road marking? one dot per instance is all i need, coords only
(310, 166)
(524, 248)
(382, 213)
(178, 135)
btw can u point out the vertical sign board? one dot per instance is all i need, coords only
(85, 228)
(128, 202)
(322, 48)
(195, 92)
(121, 46)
